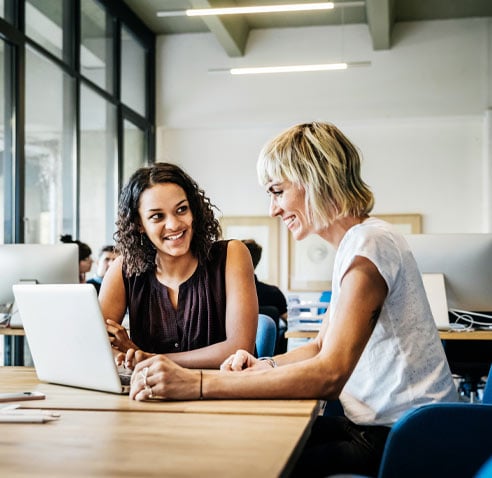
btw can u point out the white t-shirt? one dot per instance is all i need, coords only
(403, 364)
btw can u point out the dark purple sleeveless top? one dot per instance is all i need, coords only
(156, 327)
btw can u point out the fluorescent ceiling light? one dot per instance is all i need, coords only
(291, 68)
(259, 9)
(294, 7)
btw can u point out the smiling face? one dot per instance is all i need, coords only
(166, 218)
(287, 200)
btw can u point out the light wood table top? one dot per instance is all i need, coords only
(466, 335)
(24, 379)
(445, 335)
(136, 444)
(9, 331)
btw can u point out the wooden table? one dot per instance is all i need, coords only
(9, 331)
(23, 379)
(106, 435)
(136, 444)
(466, 335)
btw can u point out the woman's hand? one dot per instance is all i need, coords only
(160, 378)
(118, 336)
(131, 358)
(242, 360)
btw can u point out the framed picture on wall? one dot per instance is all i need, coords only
(265, 231)
(405, 223)
(310, 264)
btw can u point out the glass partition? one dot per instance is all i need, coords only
(134, 149)
(96, 47)
(44, 24)
(49, 145)
(133, 69)
(98, 174)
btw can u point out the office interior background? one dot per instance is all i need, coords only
(92, 89)
(421, 113)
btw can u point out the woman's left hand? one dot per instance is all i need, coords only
(160, 378)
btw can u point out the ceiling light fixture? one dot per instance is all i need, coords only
(290, 68)
(294, 7)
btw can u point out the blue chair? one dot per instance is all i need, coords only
(266, 336)
(439, 439)
(324, 297)
(486, 470)
(451, 440)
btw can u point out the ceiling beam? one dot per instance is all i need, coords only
(231, 31)
(380, 19)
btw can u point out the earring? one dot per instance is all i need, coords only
(141, 239)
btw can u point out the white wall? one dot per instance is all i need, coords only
(420, 114)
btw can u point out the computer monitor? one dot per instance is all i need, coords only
(465, 259)
(36, 263)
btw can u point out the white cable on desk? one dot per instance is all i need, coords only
(467, 316)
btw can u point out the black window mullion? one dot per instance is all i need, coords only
(18, 168)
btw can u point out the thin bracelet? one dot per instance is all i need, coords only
(201, 382)
(271, 361)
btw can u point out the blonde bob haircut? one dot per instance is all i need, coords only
(320, 159)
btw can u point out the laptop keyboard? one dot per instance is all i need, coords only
(125, 375)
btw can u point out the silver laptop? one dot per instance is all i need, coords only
(435, 288)
(67, 336)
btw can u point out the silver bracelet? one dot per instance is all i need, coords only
(271, 361)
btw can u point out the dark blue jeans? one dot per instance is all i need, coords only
(336, 445)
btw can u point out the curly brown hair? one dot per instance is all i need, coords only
(137, 250)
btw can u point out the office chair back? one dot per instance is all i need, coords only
(486, 470)
(439, 439)
(266, 336)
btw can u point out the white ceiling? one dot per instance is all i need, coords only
(232, 31)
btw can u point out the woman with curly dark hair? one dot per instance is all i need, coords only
(189, 294)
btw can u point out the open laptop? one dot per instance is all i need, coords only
(435, 288)
(67, 336)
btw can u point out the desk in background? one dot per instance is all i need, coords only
(105, 435)
(445, 335)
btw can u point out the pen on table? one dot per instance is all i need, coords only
(8, 408)
(28, 412)
(29, 418)
(14, 414)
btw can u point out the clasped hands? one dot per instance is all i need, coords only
(157, 377)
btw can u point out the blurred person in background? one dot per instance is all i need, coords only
(85, 255)
(106, 257)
